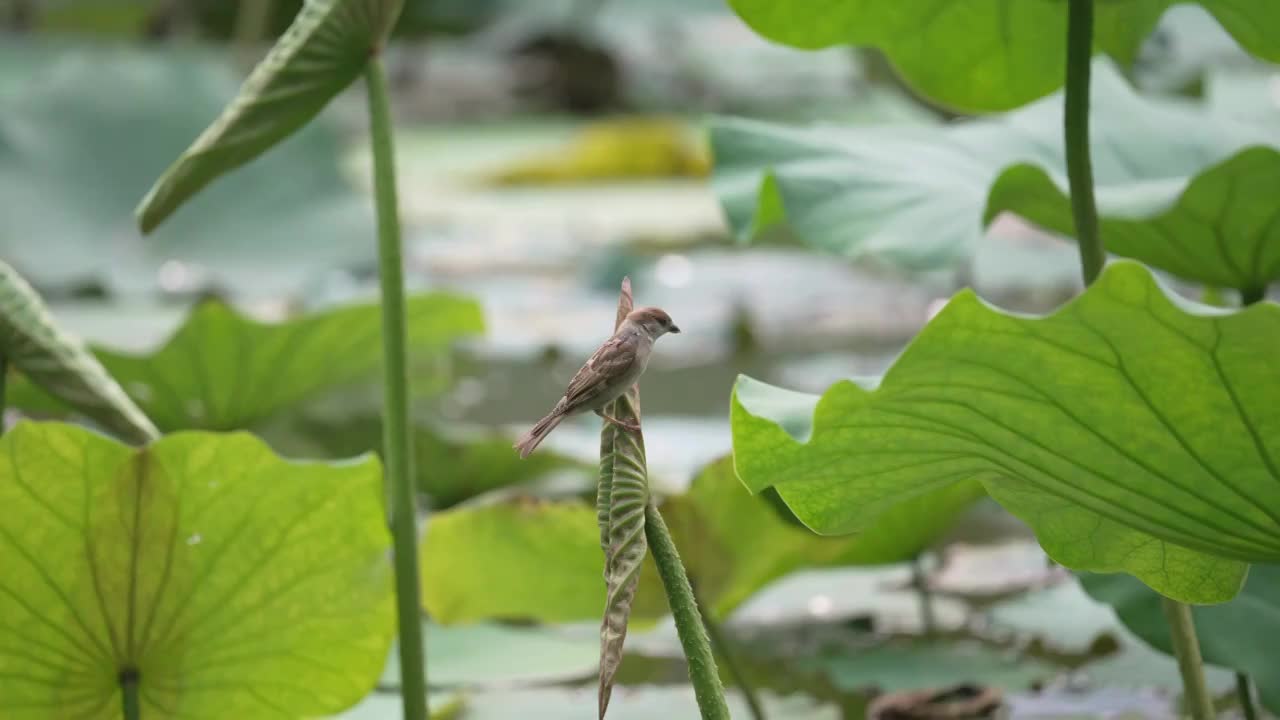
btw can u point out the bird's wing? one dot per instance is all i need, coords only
(613, 359)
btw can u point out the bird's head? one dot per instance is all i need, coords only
(655, 322)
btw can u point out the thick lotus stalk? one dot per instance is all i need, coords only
(1182, 629)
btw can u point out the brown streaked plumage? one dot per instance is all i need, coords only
(609, 372)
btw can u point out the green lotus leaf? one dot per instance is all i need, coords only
(915, 198)
(224, 371)
(1222, 228)
(229, 582)
(1132, 430)
(983, 55)
(519, 559)
(323, 51)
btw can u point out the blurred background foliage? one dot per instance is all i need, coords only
(545, 150)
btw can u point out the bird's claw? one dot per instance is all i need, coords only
(630, 427)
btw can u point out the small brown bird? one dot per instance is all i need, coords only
(610, 372)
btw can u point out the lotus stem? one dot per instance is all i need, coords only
(397, 440)
(1076, 117)
(129, 694)
(1186, 648)
(720, 644)
(684, 609)
(928, 618)
(1092, 257)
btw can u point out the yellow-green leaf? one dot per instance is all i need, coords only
(232, 582)
(516, 560)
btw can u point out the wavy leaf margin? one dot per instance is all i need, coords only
(1177, 488)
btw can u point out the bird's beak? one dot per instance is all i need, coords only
(674, 329)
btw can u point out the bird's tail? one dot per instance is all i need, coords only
(530, 440)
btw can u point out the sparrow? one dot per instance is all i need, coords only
(609, 373)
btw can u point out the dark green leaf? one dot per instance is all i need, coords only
(1132, 430)
(223, 371)
(235, 583)
(33, 343)
(322, 53)
(1229, 634)
(1223, 228)
(983, 55)
(450, 467)
(1071, 626)
(897, 665)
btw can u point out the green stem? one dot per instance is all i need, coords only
(1186, 648)
(720, 644)
(129, 694)
(918, 578)
(1079, 166)
(684, 609)
(1249, 296)
(1244, 688)
(397, 442)
(1092, 256)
